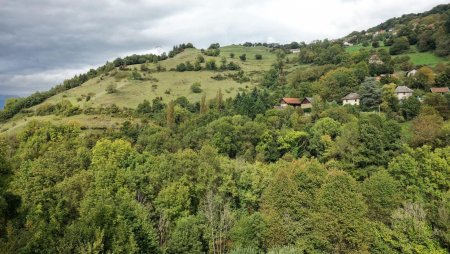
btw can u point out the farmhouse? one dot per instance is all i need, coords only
(307, 102)
(294, 102)
(294, 51)
(403, 92)
(351, 99)
(441, 90)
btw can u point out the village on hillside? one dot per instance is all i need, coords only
(353, 98)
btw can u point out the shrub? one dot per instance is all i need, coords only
(400, 46)
(243, 57)
(233, 66)
(211, 64)
(181, 67)
(135, 75)
(196, 88)
(200, 59)
(258, 56)
(111, 88)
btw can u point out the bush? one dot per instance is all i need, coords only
(400, 46)
(196, 88)
(243, 57)
(45, 109)
(233, 66)
(200, 59)
(181, 67)
(214, 46)
(111, 88)
(211, 64)
(258, 56)
(135, 75)
(231, 55)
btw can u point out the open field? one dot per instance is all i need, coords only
(417, 58)
(425, 58)
(357, 47)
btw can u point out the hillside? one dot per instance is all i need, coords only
(427, 32)
(169, 84)
(161, 80)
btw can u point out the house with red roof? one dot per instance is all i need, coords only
(440, 90)
(294, 102)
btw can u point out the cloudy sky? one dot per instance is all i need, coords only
(44, 42)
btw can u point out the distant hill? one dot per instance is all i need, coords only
(428, 31)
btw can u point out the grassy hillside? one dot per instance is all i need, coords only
(170, 84)
(417, 58)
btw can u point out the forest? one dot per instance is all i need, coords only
(234, 174)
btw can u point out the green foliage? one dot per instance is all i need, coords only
(337, 83)
(426, 127)
(248, 231)
(399, 46)
(135, 75)
(410, 107)
(382, 194)
(196, 88)
(370, 95)
(322, 133)
(211, 64)
(339, 223)
(111, 88)
(186, 237)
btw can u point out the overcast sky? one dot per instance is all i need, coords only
(44, 42)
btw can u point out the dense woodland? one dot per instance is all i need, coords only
(236, 175)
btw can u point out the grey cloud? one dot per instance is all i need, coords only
(44, 42)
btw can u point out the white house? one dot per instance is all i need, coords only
(294, 51)
(403, 92)
(351, 99)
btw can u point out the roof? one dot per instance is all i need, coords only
(307, 100)
(351, 96)
(291, 101)
(439, 90)
(403, 89)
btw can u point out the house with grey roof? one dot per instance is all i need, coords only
(351, 99)
(403, 92)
